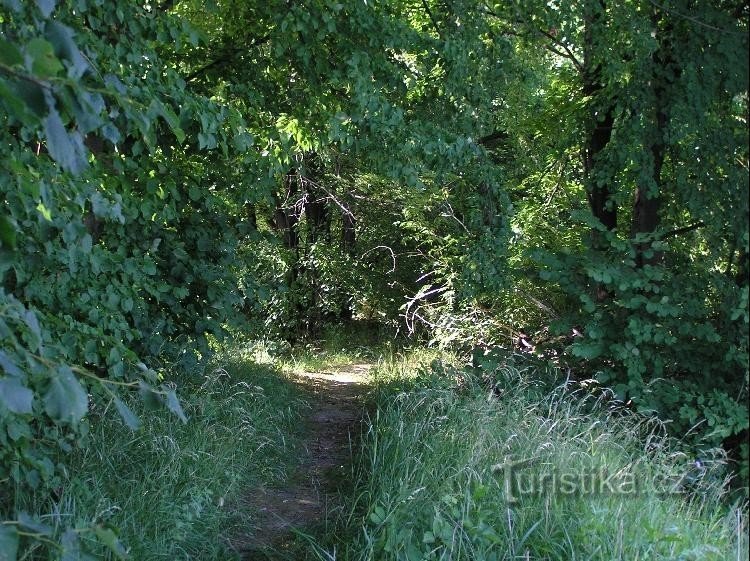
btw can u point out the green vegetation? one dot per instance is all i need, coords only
(565, 178)
(174, 490)
(465, 465)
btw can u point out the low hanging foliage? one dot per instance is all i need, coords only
(112, 258)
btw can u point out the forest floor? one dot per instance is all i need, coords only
(309, 497)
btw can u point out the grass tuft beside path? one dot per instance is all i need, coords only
(174, 491)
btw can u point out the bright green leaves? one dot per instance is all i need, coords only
(65, 401)
(41, 60)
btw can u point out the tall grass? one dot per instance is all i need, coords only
(457, 467)
(177, 491)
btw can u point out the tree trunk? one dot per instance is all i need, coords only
(348, 243)
(648, 197)
(318, 217)
(602, 118)
(252, 217)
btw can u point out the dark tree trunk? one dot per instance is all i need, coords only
(251, 216)
(599, 194)
(602, 118)
(348, 233)
(648, 198)
(318, 217)
(348, 244)
(94, 226)
(489, 206)
(742, 269)
(648, 201)
(285, 221)
(286, 216)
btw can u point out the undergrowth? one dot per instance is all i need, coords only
(171, 490)
(492, 464)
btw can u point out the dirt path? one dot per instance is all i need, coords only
(336, 396)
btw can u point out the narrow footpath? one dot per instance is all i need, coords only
(310, 495)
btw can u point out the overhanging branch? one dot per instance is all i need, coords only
(226, 58)
(683, 230)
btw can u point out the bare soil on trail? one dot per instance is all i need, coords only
(309, 496)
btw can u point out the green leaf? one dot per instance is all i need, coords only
(378, 516)
(194, 193)
(173, 404)
(587, 350)
(7, 232)
(87, 108)
(29, 318)
(151, 399)
(71, 547)
(61, 38)
(128, 417)
(9, 54)
(32, 95)
(66, 400)
(8, 543)
(9, 366)
(86, 243)
(41, 58)
(18, 429)
(15, 396)
(65, 148)
(45, 212)
(149, 267)
(46, 7)
(111, 133)
(27, 522)
(15, 104)
(108, 538)
(169, 116)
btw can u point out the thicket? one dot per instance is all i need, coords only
(571, 178)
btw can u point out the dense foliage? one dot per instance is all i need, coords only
(569, 177)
